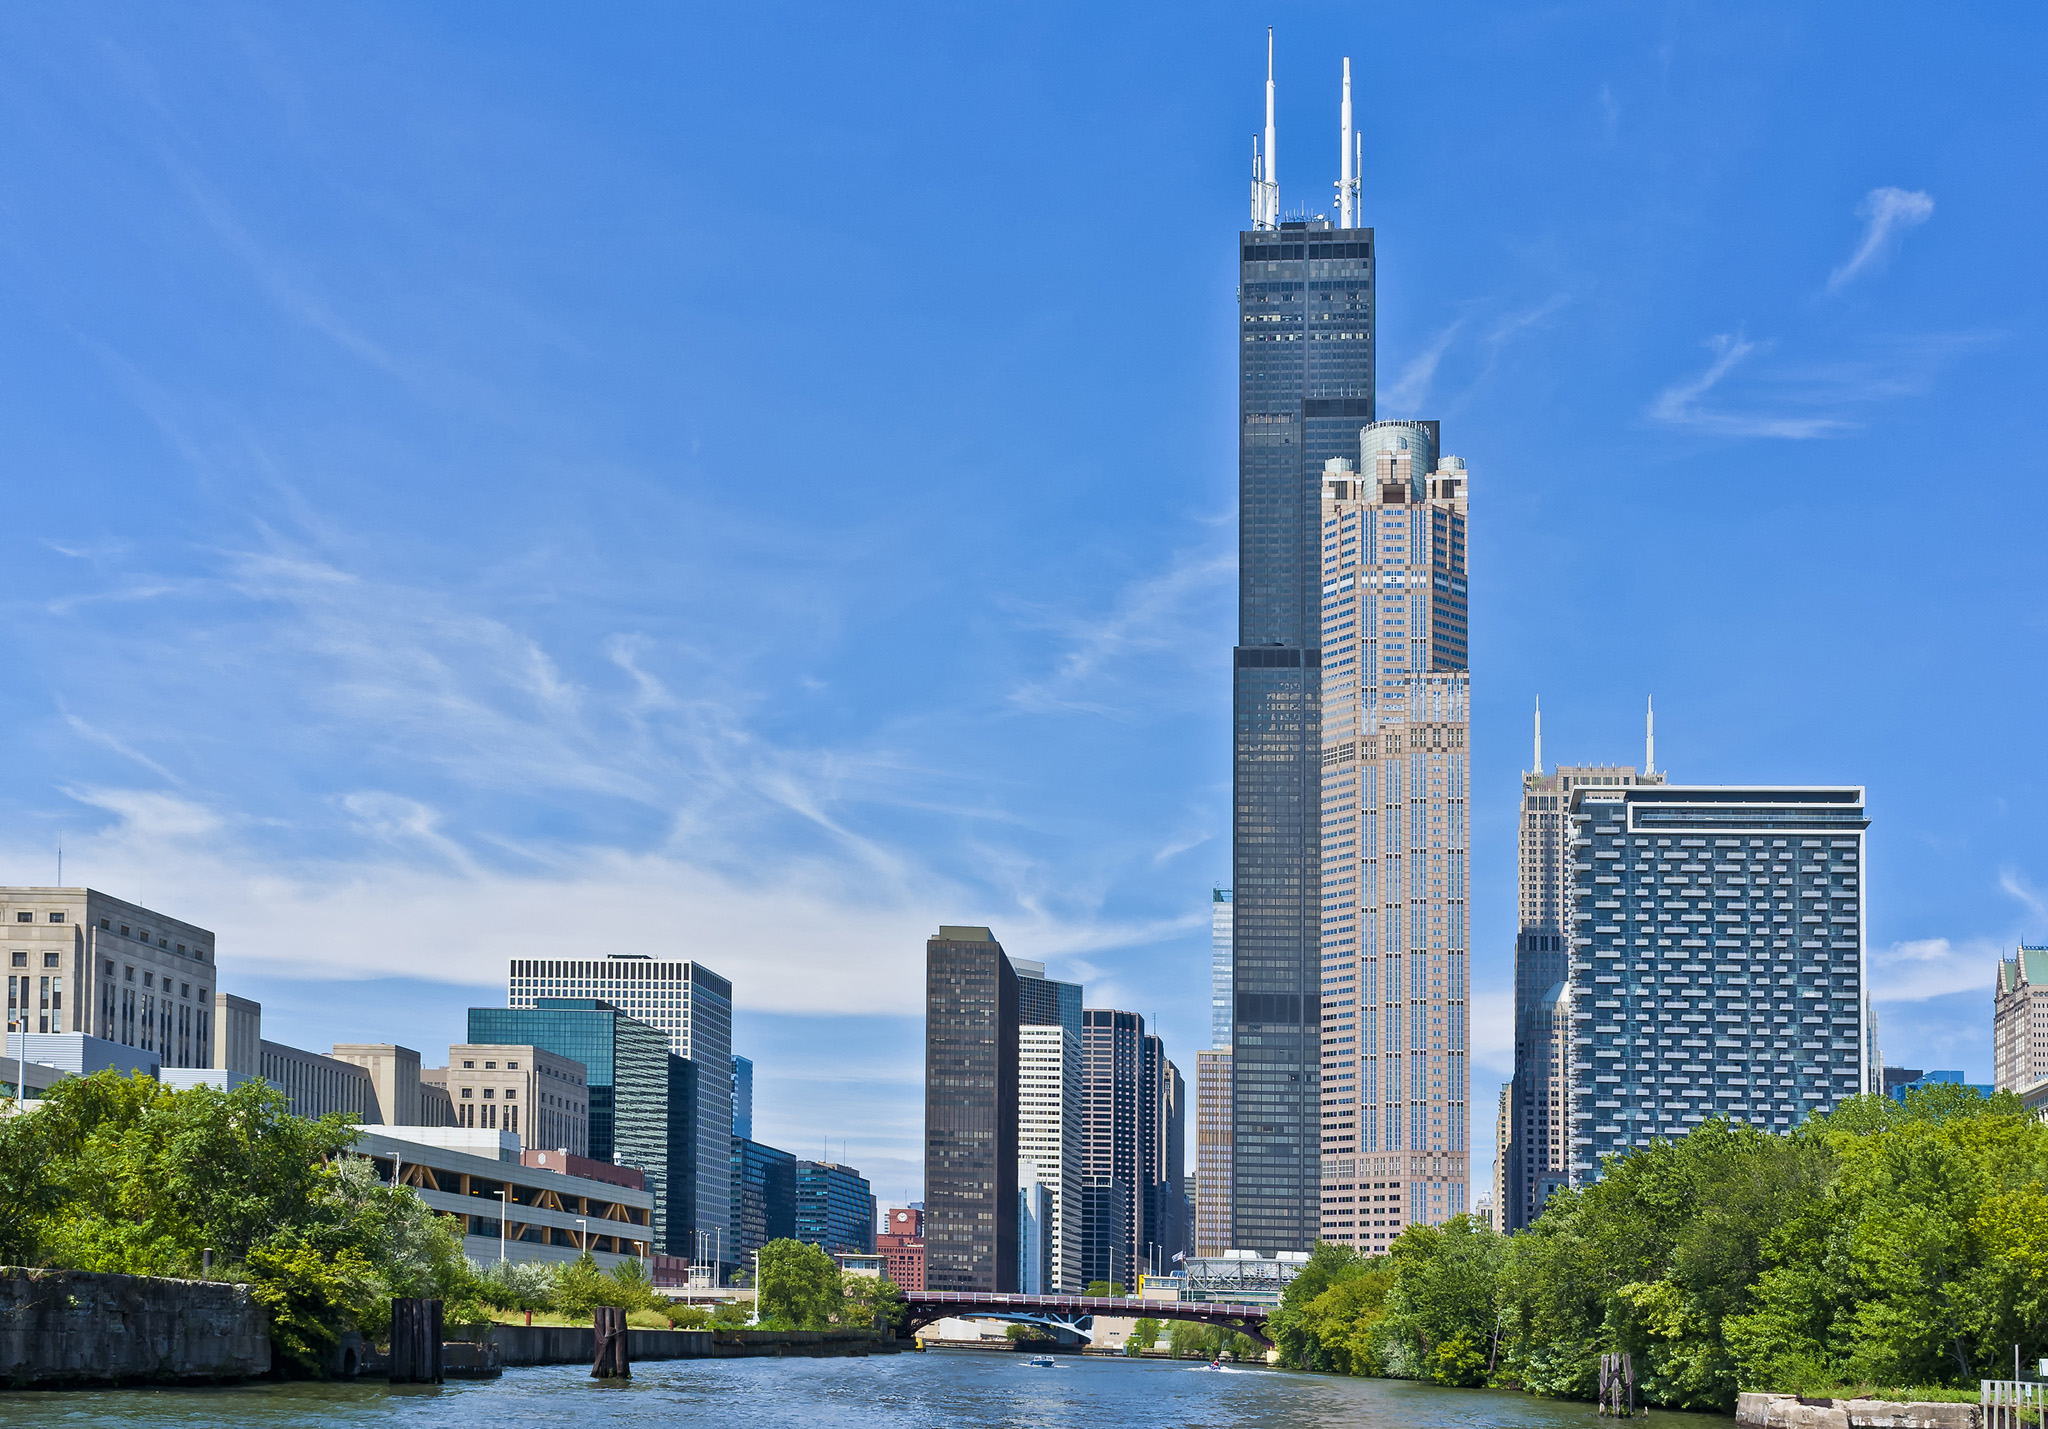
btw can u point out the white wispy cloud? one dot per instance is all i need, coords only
(1887, 213)
(2016, 886)
(1411, 388)
(1683, 404)
(1923, 968)
(1112, 661)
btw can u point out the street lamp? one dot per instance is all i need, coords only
(503, 1206)
(582, 1234)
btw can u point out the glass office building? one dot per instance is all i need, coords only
(1305, 388)
(970, 1113)
(835, 1208)
(1716, 960)
(763, 1199)
(692, 1007)
(637, 1117)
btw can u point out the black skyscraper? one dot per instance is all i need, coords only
(1305, 387)
(970, 1113)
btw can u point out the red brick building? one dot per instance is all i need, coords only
(902, 1242)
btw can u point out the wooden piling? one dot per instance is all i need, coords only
(415, 1341)
(613, 1359)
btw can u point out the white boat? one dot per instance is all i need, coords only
(1041, 1362)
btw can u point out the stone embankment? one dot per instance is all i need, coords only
(576, 1344)
(1787, 1411)
(70, 1327)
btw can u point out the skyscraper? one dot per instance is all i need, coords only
(1212, 1152)
(692, 1007)
(1044, 1001)
(1538, 1162)
(970, 1113)
(1716, 960)
(835, 1208)
(2019, 1020)
(1116, 1125)
(1219, 969)
(1396, 1073)
(1049, 1076)
(1305, 387)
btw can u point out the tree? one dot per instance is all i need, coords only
(1144, 1334)
(1026, 1332)
(1106, 1287)
(800, 1287)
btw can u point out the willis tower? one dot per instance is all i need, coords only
(1305, 388)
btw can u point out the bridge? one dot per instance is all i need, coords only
(929, 1305)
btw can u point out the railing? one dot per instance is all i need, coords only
(2012, 1403)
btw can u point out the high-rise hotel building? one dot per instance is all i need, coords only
(2019, 1020)
(1716, 968)
(1534, 1158)
(1305, 387)
(1394, 1074)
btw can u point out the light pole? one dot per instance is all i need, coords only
(583, 1234)
(503, 1206)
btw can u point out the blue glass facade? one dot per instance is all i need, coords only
(636, 1118)
(763, 1198)
(835, 1208)
(1716, 960)
(1305, 388)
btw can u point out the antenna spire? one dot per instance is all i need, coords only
(1347, 184)
(1265, 178)
(1650, 735)
(1539, 734)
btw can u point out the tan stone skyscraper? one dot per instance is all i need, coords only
(1395, 1074)
(2019, 1020)
(1534, 1158)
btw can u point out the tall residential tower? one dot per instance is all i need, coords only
(1305, 388)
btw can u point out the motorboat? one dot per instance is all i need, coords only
(1041, 1362)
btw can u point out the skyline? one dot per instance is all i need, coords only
(397, 565)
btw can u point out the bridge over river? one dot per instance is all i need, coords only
(929, 1305)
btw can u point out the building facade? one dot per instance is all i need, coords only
(320, 1086)
(1395, 1074)
(970, 1113)
(2019, 1020)
(835, 1208)
(1219, 969)
(1305, 387)
(763, 1198)
(1044, 1001)
(692, 1007)
(404, 1095)
(1106, 1232)
(1716, 960)
(1049, 1079)
(1540, 1095)
(901, 1245)
(743, 1097)
(542, 1097)
(634, 1121)
(1212, 1152)
(79, 960)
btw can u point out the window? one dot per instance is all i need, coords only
(511, 1094)
(471, 1066)
(108, 967)
(106, 923)
(20, 958)
(465, 1091)
(50, 960)
(149, 979)
(24, 917)
(128, 974)
(57, 917)
(511, 1066)
(488, 1093)
(490, 1066)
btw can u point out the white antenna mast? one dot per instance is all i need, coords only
(1357, 178)
(1347, 185)
(1266, 192)
(1649, 735)
(1539, 734)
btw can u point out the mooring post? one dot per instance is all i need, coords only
(416, 1341)
(612, 1358)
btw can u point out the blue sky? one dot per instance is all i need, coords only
(755, 483)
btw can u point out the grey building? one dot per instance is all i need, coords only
(1306, 325)
(79, 960)
(1535, 1160)
(1133, 1127)
(743, 1097)
(1044, 1001)
(763, 1198)
(1716, 960)
(692, 1008)
(970, 1112)
(1106, 1232)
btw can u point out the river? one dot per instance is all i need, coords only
(936, 1390)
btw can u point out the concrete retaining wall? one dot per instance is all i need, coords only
(575, 1344)
(72, 1327)
(1786, 1411)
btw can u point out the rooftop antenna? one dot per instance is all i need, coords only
(1650, 734)
(1539, 735)
(1265, 177)
(1347, 185)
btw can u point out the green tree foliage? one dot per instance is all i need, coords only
(1880, 1245)
(112, 1173)
(1106, 1287)
(1024, 1333)
(871, 1301)
(1144, 1334)
(800, 1288)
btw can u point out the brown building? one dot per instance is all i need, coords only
(901, 1243)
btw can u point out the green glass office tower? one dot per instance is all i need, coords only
(1305, 388)
(641, 1102)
